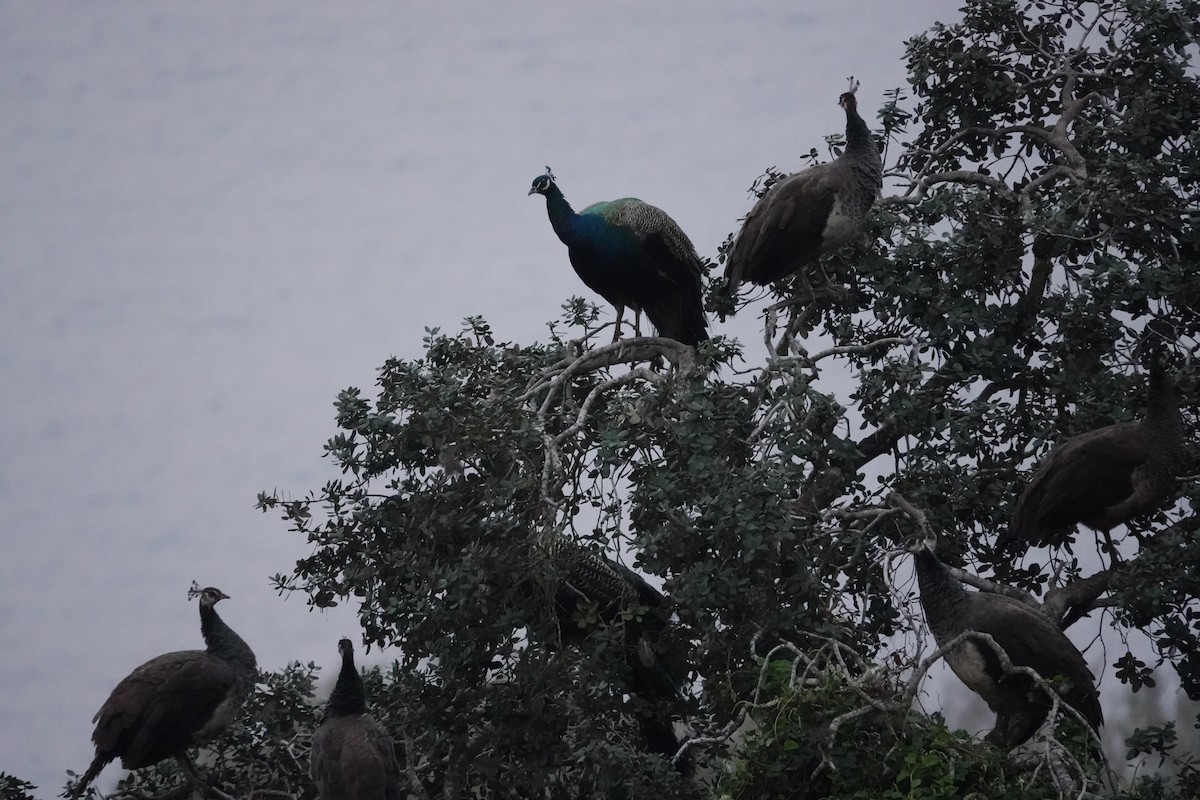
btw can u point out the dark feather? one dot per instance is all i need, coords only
(1027, 637)
(809, 213)
(174, 701)
(1103, 478)
(611, 588)
(352, 756)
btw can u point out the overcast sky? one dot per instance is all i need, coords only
(214, 216)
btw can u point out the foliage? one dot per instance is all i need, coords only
(13, 788)
(1041, 212)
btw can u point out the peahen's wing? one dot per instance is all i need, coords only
(1032, 640)
(1077, 480)
(783, 230)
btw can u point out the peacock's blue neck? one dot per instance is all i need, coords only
(562, 217)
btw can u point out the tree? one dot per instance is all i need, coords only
(1042, 213)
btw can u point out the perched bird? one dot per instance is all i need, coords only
(1028, 638)
(1103, 478)
(352, 755)
(175, 701)
(633, 255)
(598, 591)
(811, 212)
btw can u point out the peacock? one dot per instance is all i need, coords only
(175, 701)
(352, 755)
(809, 213)
(634, 256)
(1027, 637)
(1105, 477)
(600, 591)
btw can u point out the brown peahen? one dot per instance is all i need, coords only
(809, 213)
(352, 755)
(1027, 637)
(175, 701)
(1105, 477)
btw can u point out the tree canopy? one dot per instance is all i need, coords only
(1039, 210)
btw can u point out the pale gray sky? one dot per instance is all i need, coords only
(215, 216)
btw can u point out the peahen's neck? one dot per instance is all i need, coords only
(562, 216)
(862, 155)
(858, 135)
(226, 645)
(941, 595)
(348, 696)
(1161, 403)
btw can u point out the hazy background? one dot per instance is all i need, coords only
(213, 216)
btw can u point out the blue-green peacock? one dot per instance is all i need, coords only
(634, 256)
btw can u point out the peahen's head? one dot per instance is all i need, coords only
(346, 649)
(209, 596)
(925, 542)
(1153, 342)
(848, 101)
(542, 183)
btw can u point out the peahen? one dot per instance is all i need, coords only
(1027, 637)
(352, 755)
(1105, 477)
(633, 255)
(175, 701)
(809, 213)
(599, 591)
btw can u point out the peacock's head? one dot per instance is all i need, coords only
(1152, 345)
(209, 596)
(847, 100)
(542, 183)
(346, 648)
(923, 543)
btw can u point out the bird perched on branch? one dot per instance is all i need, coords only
(175, 701)
(809, 213)
(352, 755)
(1105, 477)
(634, 256)
(1026, 636)
(598, 591)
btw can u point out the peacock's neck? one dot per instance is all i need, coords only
(862, 157)
(941, 595)
(562, 216)
(225, 644)
(348, 696)
(858, 135)
(1161, 401)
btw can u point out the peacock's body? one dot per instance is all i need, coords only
(1026, 636)
(175, 701)
(352, 757)
(634, 256)
(604, 592)
(1104, 477)
(809, 213)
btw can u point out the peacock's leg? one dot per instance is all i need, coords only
(198, 781)
(617, 326)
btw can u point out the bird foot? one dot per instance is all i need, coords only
(828, 294)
